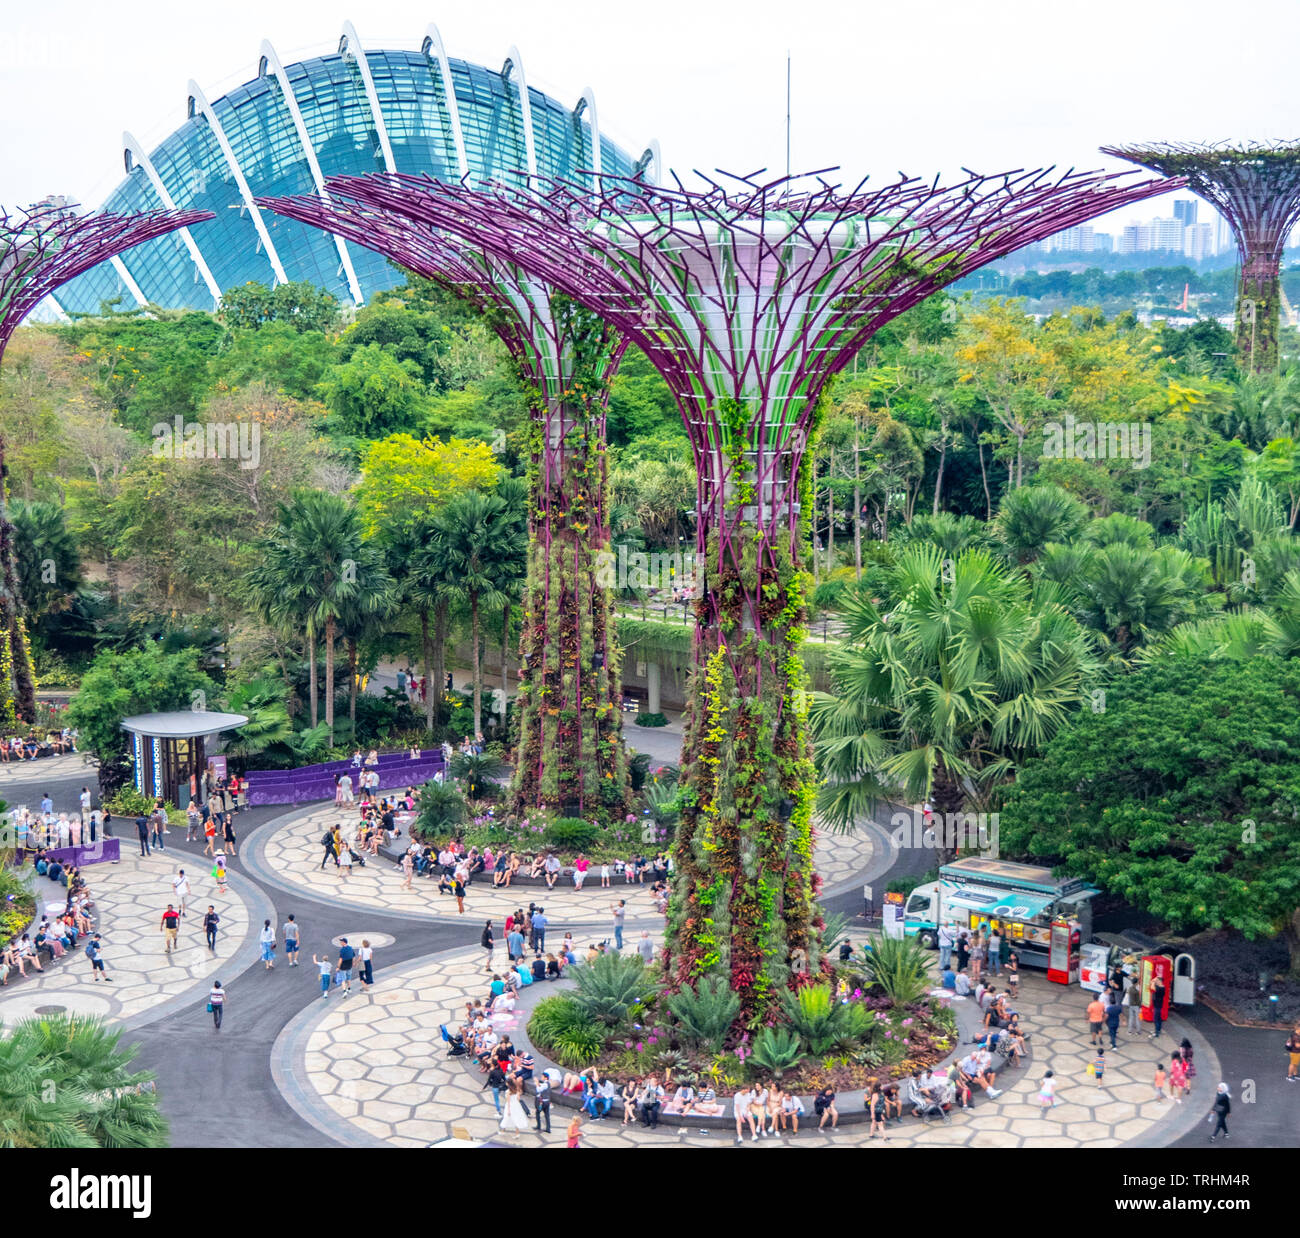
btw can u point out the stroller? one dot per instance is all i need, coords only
(358, 861)
(456, 1046)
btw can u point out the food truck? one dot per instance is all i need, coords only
(1020, 901)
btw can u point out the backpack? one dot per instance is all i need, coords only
(327, 839)
(90, 951)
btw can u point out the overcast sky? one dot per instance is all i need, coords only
(923, 87)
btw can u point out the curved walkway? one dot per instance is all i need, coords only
(371, 1070)
(289, 856)
(147, 982)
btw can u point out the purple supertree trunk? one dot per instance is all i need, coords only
(748, 298)
(569, 755)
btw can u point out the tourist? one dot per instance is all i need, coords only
(646, 948)
(1113, 1013)
(192, 817)
(1132, 1002)
(95, 953)
(1097, 1067)
(540, 923)
(976, 959)
(1046, 1092)
(875, 1106)
(791, 1111)
(142, 829)
(824, 1107)
(210, 923)
(408, 870)
(216, 1004)
(1158, 1080)
(487, 940)
(650, 1101)
(209, 831)
(963, 951)
(552, 870)
(574, 1134)
(367, 967)
(1189, 1066)
(976, 1068)
(345, 860)
(496, 1080)
(995, 953)
(1292, 1047)
(1177, 1078)
(171, 923)
(681, 1100)
(1222, 1107)
(604, 878)
(742, 1110)
(181, 888)
(580, 867)
(267, 940)
(158, 825)
(542, 1102)
(1157, 1006)
(1096, 1018)
(514, 943)
(291, 942)
(346, 955)
(1013, 974)
(619, 911)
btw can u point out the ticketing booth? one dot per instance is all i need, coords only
(168, 748)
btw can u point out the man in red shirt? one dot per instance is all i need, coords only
(171, 923)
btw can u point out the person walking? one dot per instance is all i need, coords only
(458, 890)
(158, 826)
(267, 940)
(1132, 1002)
(1113, 1013)
(142, 829)
(1222, 1107)
(95, 953)
(325, 969)
(345, 860)
(1293, 1056)
(217, 1004)
(408, 870)
(620, 916)
(367, 956)
(331, 851)
(487, 940)
(228, 825)
(209, 831)
(84, 800)
(181, 888)
(1096, 1020)
(346, 955)
(496, 1080)
(646, 948)
(192, 817)
(210, 923)
(171, 923)
(539, 930)
(291, 942)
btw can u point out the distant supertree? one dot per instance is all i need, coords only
(1255, 186)
(569, 754)
(748, 297)
(42, 247)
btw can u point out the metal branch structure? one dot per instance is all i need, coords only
(1256, 188)
(748, 296)
(569, 755)
(41, 248)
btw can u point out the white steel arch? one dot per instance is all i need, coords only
(271, 60)
(197, 99)
(133, 149)
(351, 44)
(588, 104)
(433, 43)
(514, 62)
(126, 277)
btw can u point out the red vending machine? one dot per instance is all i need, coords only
(1063, 951)
(1153, 966)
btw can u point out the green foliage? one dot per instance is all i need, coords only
(442, 809)
(478, 773)
(299, 304)
(17, 903)
(705, 1012)
(611, 986)
(66, 1083)
(128, 802)
(777, 1049)
(46, 558)
(814, 1014)
(373, 395)
(120, 685)
(561, 1027)
(651, 720)
(571, 834)
(899, 966)
(1032, 516)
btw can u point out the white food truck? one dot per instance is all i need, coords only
(1020, 901)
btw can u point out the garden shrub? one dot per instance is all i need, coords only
(651, 720)
(562, 1028)
(611, 985)
(898, 965)
(571, 834)
(777, 1049)
(705, 1012)
(442, 809)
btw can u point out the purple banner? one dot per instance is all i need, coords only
(316, 782)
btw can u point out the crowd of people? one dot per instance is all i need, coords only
(53, 936)
(32, 747)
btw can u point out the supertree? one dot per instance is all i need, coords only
(748, 297)
(569, 754)
(1256, 188)
(42, 247)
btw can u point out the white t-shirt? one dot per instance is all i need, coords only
(345, 857)
(741, 1101)
(181, 885)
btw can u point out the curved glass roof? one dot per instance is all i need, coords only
(261, 135)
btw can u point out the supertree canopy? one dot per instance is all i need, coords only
(569, 754)
(1256, 188)
(42, 247)
(748, 297)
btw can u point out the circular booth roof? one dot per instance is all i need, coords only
(181, 724)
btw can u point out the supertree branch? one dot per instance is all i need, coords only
(41, 248)
(748, 297)
(569, 755)
(1255, 186)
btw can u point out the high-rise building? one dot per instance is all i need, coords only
(1185, 211)
(1198, 241)
(1167, 234)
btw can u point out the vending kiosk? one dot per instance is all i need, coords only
(1156, 966)
(1063, 951)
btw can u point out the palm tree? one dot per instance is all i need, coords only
(974, 669)
(262, 701)
(1032, 516)
(364, 614)
(65, 1083)
(415, 561)
(475, 539)
(46, 558)
(315, 566)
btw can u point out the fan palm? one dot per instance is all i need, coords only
(974, 669)
(1032, 516)
(46, 557)
(262, 701)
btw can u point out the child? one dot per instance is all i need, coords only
(604, 876)
(1159, 1081)
(220, 874)
(325, 967)
(1177, 1078)
(574, 1133)
(1099, 1066)
(1047, 1091)
(1188, 1064)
